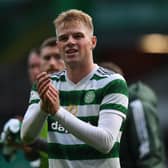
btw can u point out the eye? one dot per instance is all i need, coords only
(78, 35)
(63, 38)
(32, 66)
(57, 57)
(46, 57)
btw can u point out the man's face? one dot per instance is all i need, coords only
(51, 60)
(75, 42)
(33, 66)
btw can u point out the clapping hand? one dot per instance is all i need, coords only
(48, 94)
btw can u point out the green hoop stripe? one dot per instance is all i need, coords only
(79, 152)
(62, 78)
(97, 77)
(34, 87)
(117, 107)
(35, 101)
(78, 97)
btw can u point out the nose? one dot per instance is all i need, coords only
(71, 40)
(52, 61)
(52, 66)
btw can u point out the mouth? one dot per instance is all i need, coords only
(71, 51)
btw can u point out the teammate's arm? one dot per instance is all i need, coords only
(149, 150)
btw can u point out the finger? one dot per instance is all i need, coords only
(53, 108)
(40, 75)
(54, 91)
(43, 85)
(53, 87)
(52, 98)
(43, 79)
(54, 103)
(43, 91)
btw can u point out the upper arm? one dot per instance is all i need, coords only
(115, 97)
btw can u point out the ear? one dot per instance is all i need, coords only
(94, 42)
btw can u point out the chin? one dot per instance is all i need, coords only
(72, 63)
(72, 60)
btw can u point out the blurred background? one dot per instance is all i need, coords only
(133, 34)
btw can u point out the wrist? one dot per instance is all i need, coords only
(61, 113)
(43, 107)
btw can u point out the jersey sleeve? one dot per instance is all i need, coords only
(34, 118)
(34, 96)
(115, 96)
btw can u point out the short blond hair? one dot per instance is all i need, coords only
(73, 15)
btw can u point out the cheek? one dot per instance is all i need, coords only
(86, 46)
(43, 65)
(60, 46)
(86, 43)
(61, 49)
(82, 45)
(63, 65)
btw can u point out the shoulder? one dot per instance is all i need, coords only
(34, 87)
(104, 73)
(34, 96)
(58, 76)
(108, 77)
(143, 92)
(110, 82)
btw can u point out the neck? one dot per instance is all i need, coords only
(78, 72)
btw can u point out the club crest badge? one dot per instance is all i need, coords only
(89, 97)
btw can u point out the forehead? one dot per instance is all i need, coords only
(72, 27)
(47, 50)
(34, 58)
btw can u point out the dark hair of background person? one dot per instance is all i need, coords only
(111, 66)
(49, 42)
(34, 50)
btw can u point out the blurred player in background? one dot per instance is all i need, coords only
(10, 137)
(141, 143)
(34, 64)
(46, 59)
(49, 60)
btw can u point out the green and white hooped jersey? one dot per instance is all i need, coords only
(99, 91)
